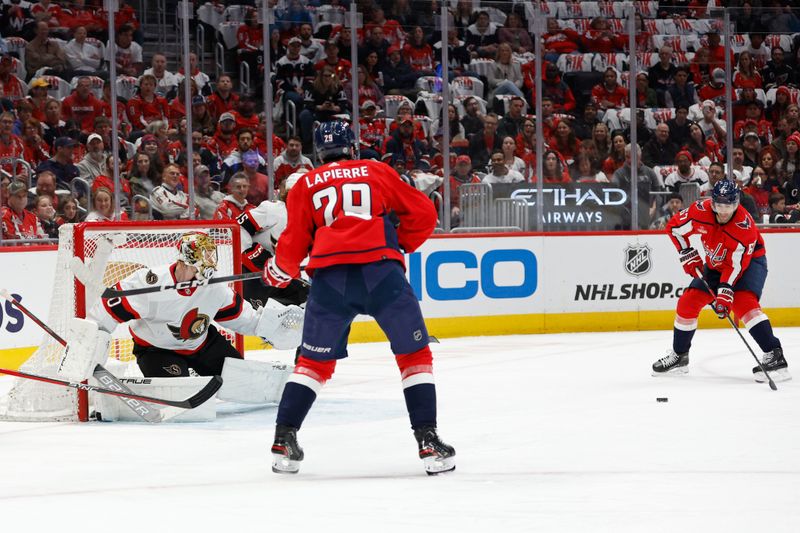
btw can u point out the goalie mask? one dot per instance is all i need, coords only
(198, 250)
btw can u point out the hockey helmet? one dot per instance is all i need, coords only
(198, 250)
(334, 140)
(725, 197)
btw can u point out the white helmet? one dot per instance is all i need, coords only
(198, 250)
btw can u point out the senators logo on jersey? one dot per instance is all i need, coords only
(192, 326)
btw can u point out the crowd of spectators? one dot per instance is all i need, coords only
(56, 130)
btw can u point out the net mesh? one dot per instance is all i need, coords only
(126, 250)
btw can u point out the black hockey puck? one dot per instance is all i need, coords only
(662, 400)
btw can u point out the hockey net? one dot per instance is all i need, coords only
(136, 245)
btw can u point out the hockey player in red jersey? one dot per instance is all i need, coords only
(735, 268)
(354, 219)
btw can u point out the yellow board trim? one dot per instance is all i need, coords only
(12, 358)
(510, 325)
(551, 323)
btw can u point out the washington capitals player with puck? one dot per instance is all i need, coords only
(735, 268)
(354, 219)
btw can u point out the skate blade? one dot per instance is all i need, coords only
(439, 465)
(283, 465)
(777, 376)
(679, 371)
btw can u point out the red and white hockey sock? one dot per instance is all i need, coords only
(301, 390)
(416, 370)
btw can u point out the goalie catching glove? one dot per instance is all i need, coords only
(281, 325)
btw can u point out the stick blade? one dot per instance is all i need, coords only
(204, 394)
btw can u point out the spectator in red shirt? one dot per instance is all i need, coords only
(392, 29)
(559, 92)
(565, 142)
(18, 222)
(746, 74)
(82, 106)
(245, 113)
(223, 99)
(177, 110)
(260, 142)
(37, 97)
(559, 41)
(418, 53)
(258, 190)
(235, 203)
(81, 16)
(700, 66)
(147, 106)
(36, 151)
(616, 159)
(341, 66)
(714, 90)
(224, 142)
(10, 86)
(11, 146)
(291, 160)
(716, 52)
(372, 131)
(600, 37)
(250, 42)
(48, 12)
(610, 94)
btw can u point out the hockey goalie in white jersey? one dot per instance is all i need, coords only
(173, 332)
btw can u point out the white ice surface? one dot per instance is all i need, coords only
(553, 433)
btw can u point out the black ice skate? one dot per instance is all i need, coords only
(672, 363)
(774, 363)
(437, 456)
(286, 453)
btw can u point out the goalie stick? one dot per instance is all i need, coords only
(199, 398)
(114, 293)
(118, 389)
(736, 329)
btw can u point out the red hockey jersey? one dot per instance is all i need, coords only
(729, 247)
(339, 214)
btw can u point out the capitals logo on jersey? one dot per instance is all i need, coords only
(716, 256)
(192, 326)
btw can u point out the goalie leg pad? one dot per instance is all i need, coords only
(110, 408)
(253, 382)
(87, 346)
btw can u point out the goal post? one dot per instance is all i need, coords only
(136, 245)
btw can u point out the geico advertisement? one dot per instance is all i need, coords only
(477, 276)
(28, 277)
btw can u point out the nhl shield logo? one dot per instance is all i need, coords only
(637, 260)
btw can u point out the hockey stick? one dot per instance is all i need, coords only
(119, 389)
(736, 329)
(100, 373)
(200, 398)
(114, 293)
